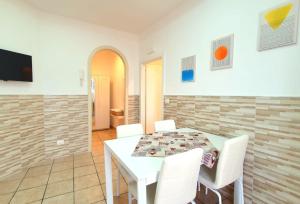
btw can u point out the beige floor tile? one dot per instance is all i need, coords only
(97, 153)
(86, 181)
(61, 199)
(85, 170)
(123, 199)
(29, 195)
(43, 163)
(102, 175)
(100, 202)
(83, 162)
(36, 202)
(16, 176)
(99, 159)
(39, 170)
(5, 198)
(123, 187)
(101, 167)
(89, 195)
(64, 159)
(61, 176)
(62, 166)
(30, 182)
(82, 156)
(59, 188)
(9, 186)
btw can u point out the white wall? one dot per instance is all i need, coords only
(19, 33)
(190, 30)
(60, 48)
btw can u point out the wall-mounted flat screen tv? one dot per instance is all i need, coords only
(15, 66)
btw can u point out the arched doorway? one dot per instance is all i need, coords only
(107, 89)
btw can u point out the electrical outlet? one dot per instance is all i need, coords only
(60, 142)
(167, 101)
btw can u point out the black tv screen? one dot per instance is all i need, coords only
(15, 66)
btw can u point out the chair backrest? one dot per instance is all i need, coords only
(164, 125)
(129, 130)
(231, 160)
(177, 182)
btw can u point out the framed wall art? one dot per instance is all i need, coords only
(222, 53)
(278, 26)
(188, 67)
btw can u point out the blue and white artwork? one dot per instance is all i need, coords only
(188, 67)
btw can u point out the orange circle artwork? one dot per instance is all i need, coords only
(221, 53)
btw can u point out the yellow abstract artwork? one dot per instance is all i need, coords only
(278, 26)
(276, 17)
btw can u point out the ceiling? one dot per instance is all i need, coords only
(129, 15)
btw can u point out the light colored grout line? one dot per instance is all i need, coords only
(47, 181)
(18, 186)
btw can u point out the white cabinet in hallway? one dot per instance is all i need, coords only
(102, 102)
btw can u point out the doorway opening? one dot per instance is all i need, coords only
(151, 94)
(107, 89)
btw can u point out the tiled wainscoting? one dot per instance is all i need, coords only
(133, 109)
(31, 125)
(271, 170)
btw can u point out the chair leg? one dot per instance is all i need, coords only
(129, 198)
(238, 191)
(206, 190)
(218, 194)
(199, 185)
(118, 184)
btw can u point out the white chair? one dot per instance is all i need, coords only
(127, 131)
(164, 125)
(229, 167)
(177, 182)
(130, 130)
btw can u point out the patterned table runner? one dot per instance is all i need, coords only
(163, 144)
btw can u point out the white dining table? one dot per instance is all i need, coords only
(145, 170)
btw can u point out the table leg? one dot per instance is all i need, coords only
(108, 176)
(118, 183)
(141, 192)
(239, 191)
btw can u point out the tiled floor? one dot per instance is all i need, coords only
(73, 179)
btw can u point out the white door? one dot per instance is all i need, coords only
(154, 94)
(102, 102)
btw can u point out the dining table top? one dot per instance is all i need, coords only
(146, 168)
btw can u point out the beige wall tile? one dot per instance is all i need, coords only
(30, 125)
(273, 124)
(133, 109)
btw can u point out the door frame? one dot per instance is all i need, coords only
(89, 71)
(143, 89)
